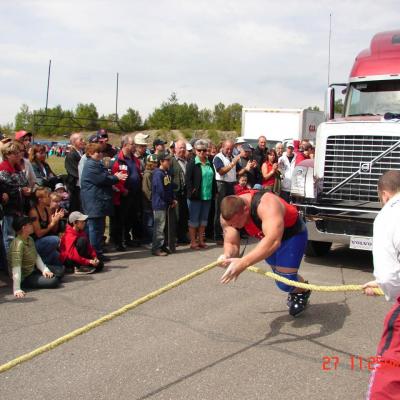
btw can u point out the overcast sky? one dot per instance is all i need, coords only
(257, 53)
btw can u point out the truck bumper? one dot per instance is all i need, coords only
(320, 236)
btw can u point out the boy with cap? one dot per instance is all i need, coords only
(75, 249)
(23, 258)
(162, 197)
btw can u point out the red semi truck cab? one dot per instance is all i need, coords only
(338, 195)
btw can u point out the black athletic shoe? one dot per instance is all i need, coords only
(166, 249)
(297, 302)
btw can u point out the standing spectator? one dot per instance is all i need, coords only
(159, 146)
(225, 172)
(128, 197)
(270, 172)
(46, 227)
(82, 161)
(286, 166)
(162, 197)
(140, 141)
(279, 149)
(96, 194)
(25, 139)
(3, 143)
(304, 154)
(260, 152)
(76, 251)
(43, 173)
(171, 148)
(23, 258)
(178, 170)
(148, 218)
(13, 182)
(247, 165)
(71, 166)
(201, 186)
(108, 150)
(238, 146)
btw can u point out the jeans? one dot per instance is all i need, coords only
(148, 223)
(8, 231)
(96, 231)
(158, 229)
(198, 212)
(47, 247)
(37, 281)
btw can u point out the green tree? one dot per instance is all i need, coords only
(24, 118)
(228, 118)
(338, 106)
(87, 116)
(131, 120)
(313, 108)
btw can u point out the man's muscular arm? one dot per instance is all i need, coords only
(271, 212)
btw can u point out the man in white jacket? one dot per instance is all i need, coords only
(386, 252)
(286, 165)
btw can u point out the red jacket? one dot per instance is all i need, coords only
(120, 186)
(68, 249)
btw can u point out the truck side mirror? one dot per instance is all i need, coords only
(330, 104)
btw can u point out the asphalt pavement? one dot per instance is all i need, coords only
(202, 340)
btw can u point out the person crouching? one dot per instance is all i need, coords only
(75, 249)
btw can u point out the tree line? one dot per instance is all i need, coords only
(171, 114)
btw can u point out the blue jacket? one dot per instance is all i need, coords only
(96, 191)
(161, 190)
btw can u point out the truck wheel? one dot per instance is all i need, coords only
(317, 249)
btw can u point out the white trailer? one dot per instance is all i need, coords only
(279, 124)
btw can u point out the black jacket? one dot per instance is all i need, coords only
(71, 166)
(193, 179)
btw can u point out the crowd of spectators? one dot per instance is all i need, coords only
(53, 225)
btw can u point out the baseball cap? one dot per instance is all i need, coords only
(189, 147)
(141, 139)
(152, 158)
(59, 186)
(102, 133)
(20, 134)
(246, 147)
(163, 155)
(93, 139)
(21, 220)
(77, 216)
(158, 142)
(290, 144)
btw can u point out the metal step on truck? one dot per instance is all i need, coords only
(338, 193)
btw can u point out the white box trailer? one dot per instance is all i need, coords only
(280, 124)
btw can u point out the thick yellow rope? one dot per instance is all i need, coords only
(52, 345)
(317, 288)
(102, 320)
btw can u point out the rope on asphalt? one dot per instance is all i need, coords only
(52, 345)
(317, 288)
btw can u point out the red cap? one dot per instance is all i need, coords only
(20, 134)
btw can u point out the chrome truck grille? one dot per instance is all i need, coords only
(345, 155)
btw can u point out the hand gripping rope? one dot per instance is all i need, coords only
(94, 324)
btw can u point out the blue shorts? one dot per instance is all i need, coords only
(290, 252)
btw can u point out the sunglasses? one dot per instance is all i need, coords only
(202, 150)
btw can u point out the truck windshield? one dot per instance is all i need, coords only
(373, 98)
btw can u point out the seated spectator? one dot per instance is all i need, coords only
(61, 191)
(242, 185)
(26, 267)
(15, 184)
(162, 197)
(270, 172)
(44, 175)
(201, 188)
(55, 205)
(46, 228)
(76, 251)
(96, 195)
(148, 219)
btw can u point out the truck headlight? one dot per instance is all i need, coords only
(303, 182)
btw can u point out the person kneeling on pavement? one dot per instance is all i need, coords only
(26, 267)
(76, 252)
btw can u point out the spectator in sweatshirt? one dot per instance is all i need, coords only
(147, 212)
(162, 197)
(75, 249)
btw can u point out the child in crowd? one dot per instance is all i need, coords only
(26, 267)
(162, 197)
(75, 249)
(55, 206)
(242, 185)
(60, 189)
(148, 220)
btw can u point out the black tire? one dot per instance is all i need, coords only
(317, 249)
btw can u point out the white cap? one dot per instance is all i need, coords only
(77, 216)
(59, 186)
(140, 139)
(240, 140)
(290, 144)
(189, 147)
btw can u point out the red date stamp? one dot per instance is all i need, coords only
(357, 363)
